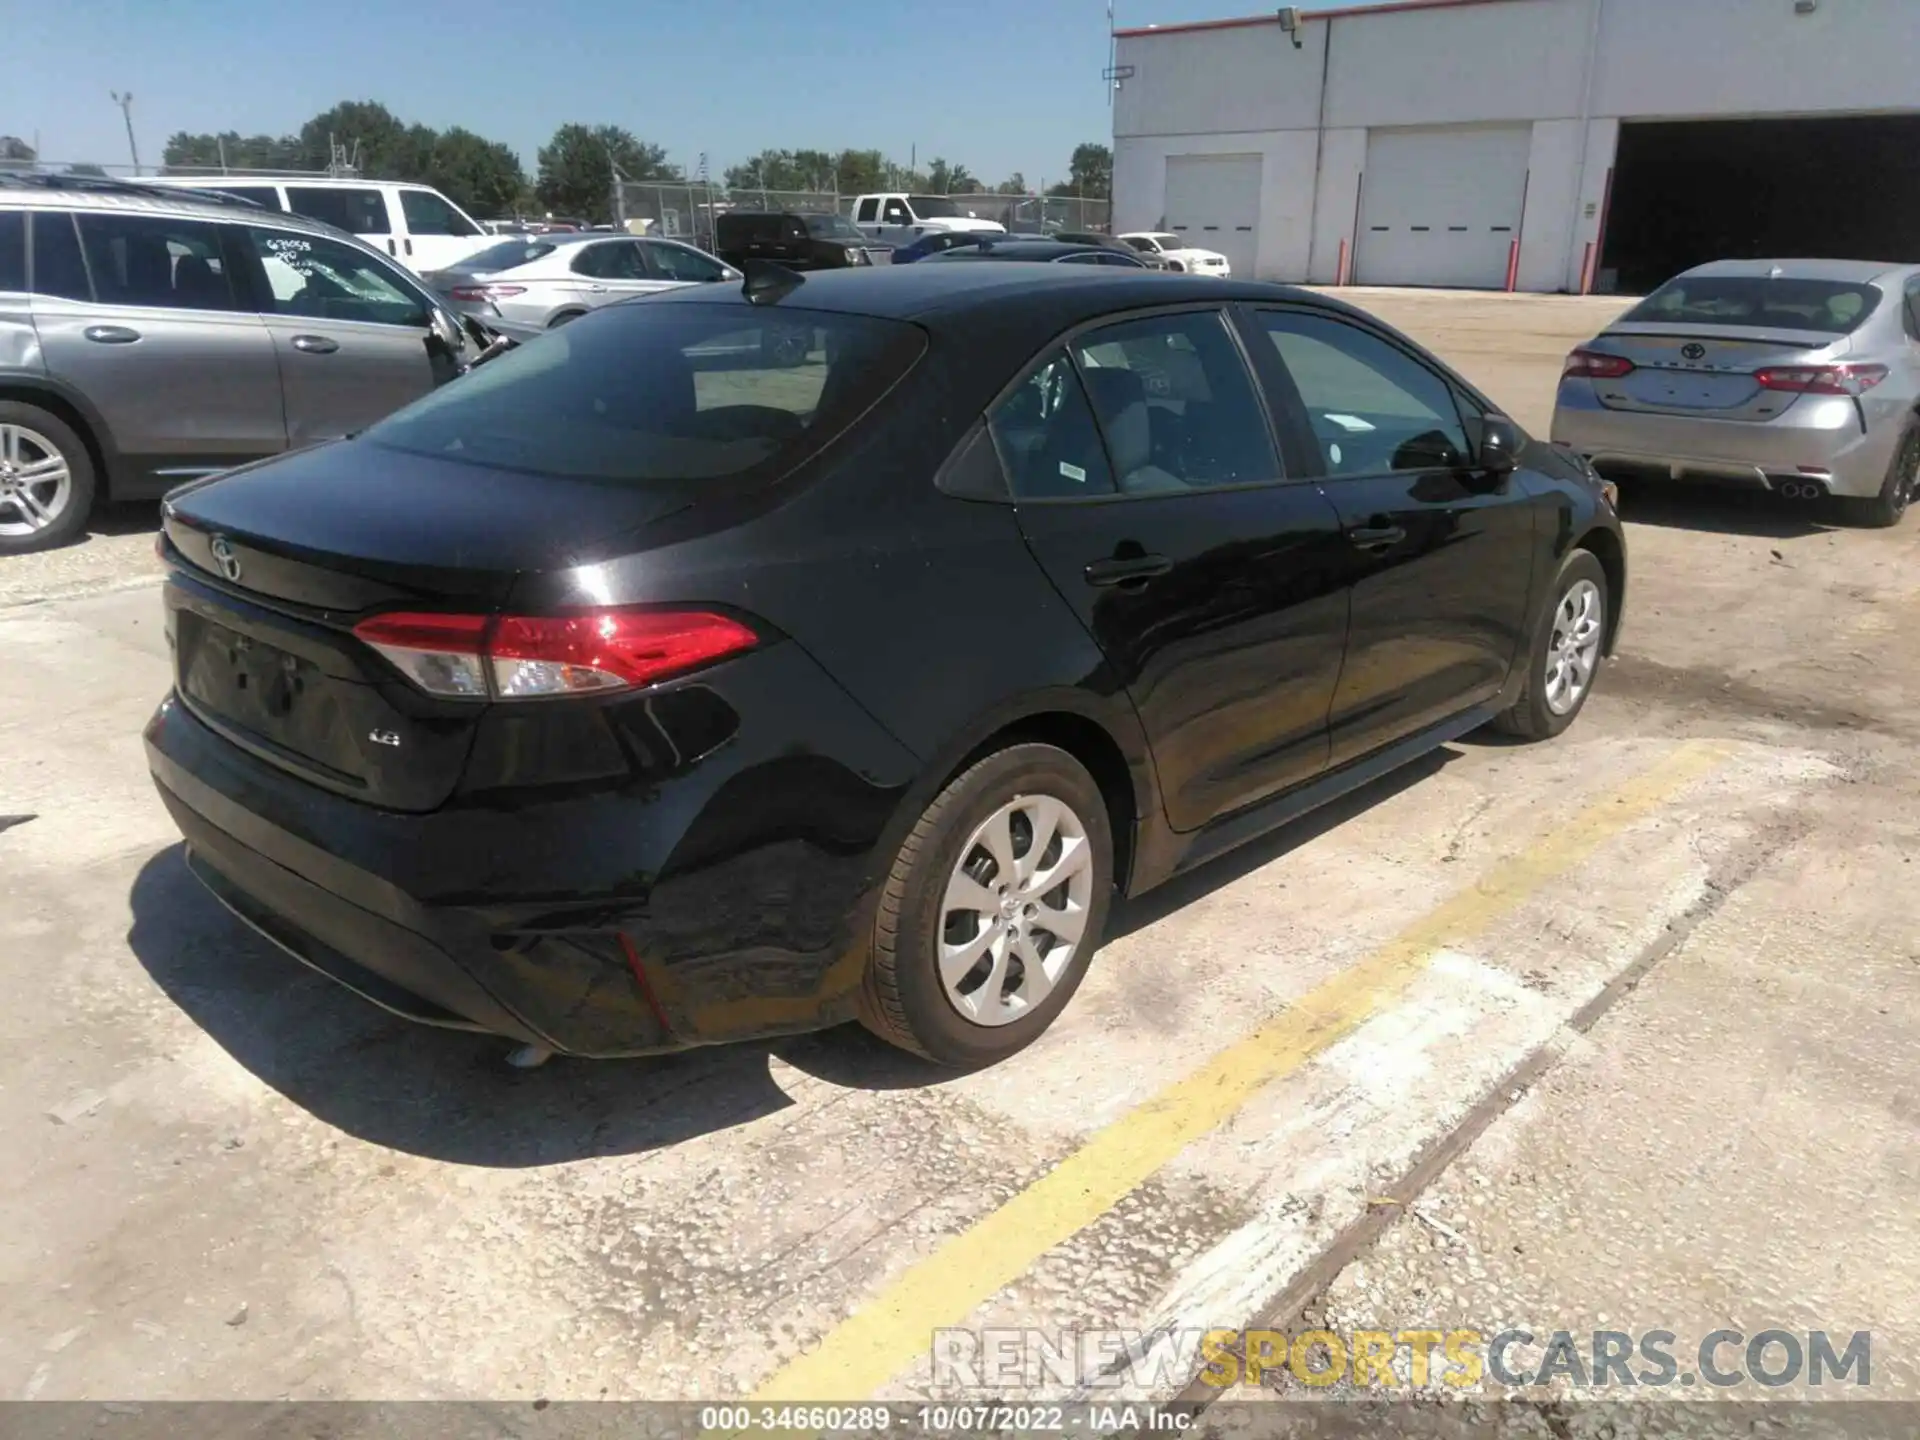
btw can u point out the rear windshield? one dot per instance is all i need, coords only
(1758, 302)
(505, 255)
(662, 391)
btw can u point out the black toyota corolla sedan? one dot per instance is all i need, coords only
(747, 660)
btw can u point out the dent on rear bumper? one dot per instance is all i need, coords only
(1822, 436)
(715, 901)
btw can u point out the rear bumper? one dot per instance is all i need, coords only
(1819, 439)
(719, 904)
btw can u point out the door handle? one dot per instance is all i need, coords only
(1376, 537)
(110, 334)
(392, 249)
(1129, 570)
(409, 244)
(315, 344)
(596, 289)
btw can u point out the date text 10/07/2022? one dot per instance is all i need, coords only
(1079, 1419)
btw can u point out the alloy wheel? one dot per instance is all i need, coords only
(35, 481)
(1015, 909)
(1573, 647)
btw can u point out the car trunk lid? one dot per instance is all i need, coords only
(1707, 370)
(275, 564)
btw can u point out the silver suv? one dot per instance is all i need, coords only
(150, 336)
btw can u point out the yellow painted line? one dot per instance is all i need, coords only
(892, 1330)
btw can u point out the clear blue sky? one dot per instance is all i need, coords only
(997, 85)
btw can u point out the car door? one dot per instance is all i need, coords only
(139, 313)
(1148, 485)
(438, 233)
(610, 270)
(1439, 552)
(352, 334)
(897, 223)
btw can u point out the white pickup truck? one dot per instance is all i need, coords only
(901, 219)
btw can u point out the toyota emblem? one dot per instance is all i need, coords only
(224, 557)
(1694, 351)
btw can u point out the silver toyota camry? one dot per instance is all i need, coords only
(537, 282)
(1799, 376)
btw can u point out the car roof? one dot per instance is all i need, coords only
(305, 182)
(1015, 247)
(1043, 298)
(132, 200)
(1857, 272)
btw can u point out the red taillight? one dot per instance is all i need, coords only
(1821, 379)
(516, 657)
(1592, 365)
(486, 292)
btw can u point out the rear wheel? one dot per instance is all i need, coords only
(46, 479)
(1564, 657)
(1897, 491)
(992, 910)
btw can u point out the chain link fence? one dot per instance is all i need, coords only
(1039, 214)
(684, 210)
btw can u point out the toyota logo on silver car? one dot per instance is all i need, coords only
(224, 557)
(1694, 351)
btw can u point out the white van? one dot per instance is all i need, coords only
(415, 224)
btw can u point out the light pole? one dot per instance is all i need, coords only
(125, 102)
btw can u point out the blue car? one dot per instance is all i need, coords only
(940, 240)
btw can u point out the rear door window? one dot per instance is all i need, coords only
(428, 213)
(357, 209)
(1047, 438)
(614, 260)
(664, 393)
(13, 250)
(154, 261)
(1758, 302)
(58, 268)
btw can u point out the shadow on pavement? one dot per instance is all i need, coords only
(1724, 511)
(445, 1094)
(1184, 890)
(449, 1095)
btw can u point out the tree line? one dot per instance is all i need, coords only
(575, 170)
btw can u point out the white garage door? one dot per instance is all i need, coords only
(1441, 206)
(1213, 202)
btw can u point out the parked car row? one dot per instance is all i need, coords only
(150, 336)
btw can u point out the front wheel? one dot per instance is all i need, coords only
(1897, 490)
(992, 910)
(1564, 657)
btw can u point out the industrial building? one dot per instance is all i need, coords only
(1545, 145)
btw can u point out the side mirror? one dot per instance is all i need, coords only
(1499, 445)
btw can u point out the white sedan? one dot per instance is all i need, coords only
(538, 282)
(1176, 254)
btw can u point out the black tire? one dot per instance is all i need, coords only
(563, 318)
(904, 1001)
(1531, 717)
(71, 517)
(1897, 491)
